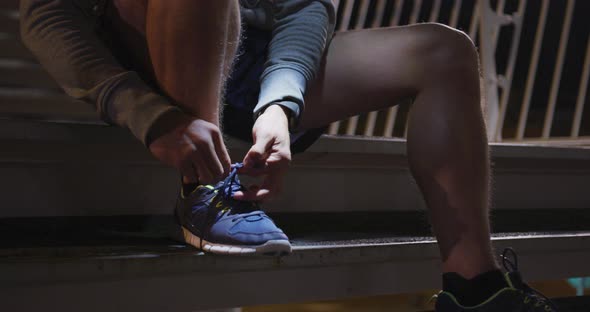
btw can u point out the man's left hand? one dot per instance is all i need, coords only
(270, 155)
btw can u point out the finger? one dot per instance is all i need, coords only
(247, 195)
(253, 172)
(185, 165)
(281, 156)
(222, 154)
(205, 176)
(258, 196)
(270, 187)
(258, 153)
(210, 160)
(263, 195)
(188, 171)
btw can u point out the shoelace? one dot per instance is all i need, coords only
(231, 184)
(510, 263)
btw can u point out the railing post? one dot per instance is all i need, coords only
(348, 8)
(505, 80)
(532, 72)
(490, 23)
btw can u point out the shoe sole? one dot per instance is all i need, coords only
(270, 248)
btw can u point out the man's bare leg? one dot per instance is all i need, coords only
(447, 146)
(187, 48)
(192, 45)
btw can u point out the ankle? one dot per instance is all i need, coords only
(470, 258)
(474, 291)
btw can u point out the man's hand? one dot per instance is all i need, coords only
(269, 156)
(195, 147)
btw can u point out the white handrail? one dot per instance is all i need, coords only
(505, 81)
(532, 74)
(583, 89)
(455, 13)
(565, 33)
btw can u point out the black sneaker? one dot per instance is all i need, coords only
(518, 297)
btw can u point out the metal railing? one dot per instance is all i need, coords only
(500, 28)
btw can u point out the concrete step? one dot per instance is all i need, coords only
(173, 277)
(90, 169)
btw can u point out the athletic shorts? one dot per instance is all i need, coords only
(242, 88)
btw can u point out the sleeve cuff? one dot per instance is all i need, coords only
(284, 86)
(144, 121)
(133, 105)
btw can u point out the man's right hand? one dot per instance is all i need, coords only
(195, 147)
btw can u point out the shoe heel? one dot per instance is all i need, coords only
(190, 238)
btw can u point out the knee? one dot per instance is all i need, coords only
(445, 49)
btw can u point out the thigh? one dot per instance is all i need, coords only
(123, 31)
(365, 70)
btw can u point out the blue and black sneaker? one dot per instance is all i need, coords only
(517, 297)
(213, 221)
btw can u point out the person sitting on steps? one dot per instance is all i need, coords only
(162, 69)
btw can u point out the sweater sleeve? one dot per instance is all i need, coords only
(300, 34)
(62, 35)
